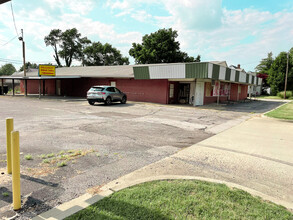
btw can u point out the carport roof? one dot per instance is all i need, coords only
(215, 70)
(125, 71)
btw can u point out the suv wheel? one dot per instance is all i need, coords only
(91, 102)
(108, 101)
(123, 101)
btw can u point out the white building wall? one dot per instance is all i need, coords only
(233, 74)
(222, 72)
(169, 71)
(210, 70)
(242, 77)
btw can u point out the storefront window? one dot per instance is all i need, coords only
(221, 87)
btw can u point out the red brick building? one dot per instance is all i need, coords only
(185, 83)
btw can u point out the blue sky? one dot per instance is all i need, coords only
(240, 32)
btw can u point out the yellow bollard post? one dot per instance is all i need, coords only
(9, 128)
(15, 170)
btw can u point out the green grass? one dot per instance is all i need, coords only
(284, 112)
(182, 199)
(50, 155)
(62, 152)
(270, 97)
(5, 194)
(61, 164)
(46, 161)
(28, 157)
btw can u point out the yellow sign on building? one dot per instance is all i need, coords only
(47, 70)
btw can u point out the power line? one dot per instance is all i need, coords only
(20, 61)
(13, 18)
(8, 41)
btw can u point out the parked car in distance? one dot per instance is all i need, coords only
(106, 94)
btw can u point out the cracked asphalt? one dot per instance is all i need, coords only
(98, 143)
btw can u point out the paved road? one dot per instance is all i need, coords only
(256, 155)
(115, 140)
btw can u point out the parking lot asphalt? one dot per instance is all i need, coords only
(98, 143)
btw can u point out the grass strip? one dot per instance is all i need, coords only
(284, 112)
(182, 199)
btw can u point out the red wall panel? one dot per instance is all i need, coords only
(155, 90)
(33, 86)
(233, 92)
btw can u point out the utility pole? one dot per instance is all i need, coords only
(286, 75)
(23, 55)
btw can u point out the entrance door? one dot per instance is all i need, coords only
(199, 93)
(58, 87)
(184, 90)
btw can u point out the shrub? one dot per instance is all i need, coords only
(282, 94)
(5, 194)
(28, 157)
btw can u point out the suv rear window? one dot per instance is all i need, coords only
(97, 89)
(110, 89)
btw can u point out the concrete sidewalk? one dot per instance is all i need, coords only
(255, 156)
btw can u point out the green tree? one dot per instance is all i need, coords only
(7, 69)
(263, 68)
(265, 64)
(98, 54)
(277, 73)
(160, 47)
(29, 65)
(54, 39)
(71, 45)
(68, 45)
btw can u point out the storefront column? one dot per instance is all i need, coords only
(12, 87)
(40, 83)
(219, 89)
(2, 86)
(44, 90)
(237, 92)
(25, 87)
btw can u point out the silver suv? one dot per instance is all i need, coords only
(106, 94)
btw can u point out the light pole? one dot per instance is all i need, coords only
(286, 75)
(23, 55)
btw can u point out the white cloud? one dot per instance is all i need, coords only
(195, 14)
(245, 37)
(38, 23)
(142, 16)
(204, 27)
(77, 6)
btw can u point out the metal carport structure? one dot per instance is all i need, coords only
(41, 79)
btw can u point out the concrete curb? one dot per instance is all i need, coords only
(69, 208)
